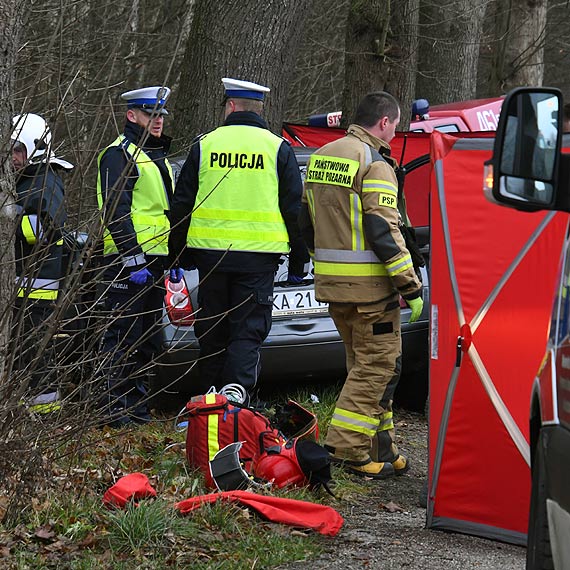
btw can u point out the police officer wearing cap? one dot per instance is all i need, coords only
(134, 191)
(235, 211)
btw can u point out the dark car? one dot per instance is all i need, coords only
(303, 341)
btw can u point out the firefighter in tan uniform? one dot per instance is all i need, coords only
(350, 221)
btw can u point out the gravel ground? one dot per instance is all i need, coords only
(373, 537)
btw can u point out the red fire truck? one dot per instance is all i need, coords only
(410, 148)
(474, 115)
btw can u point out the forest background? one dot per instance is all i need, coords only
(71, 59)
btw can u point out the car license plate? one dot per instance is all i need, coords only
(297, 303)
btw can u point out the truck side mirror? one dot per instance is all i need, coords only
(524, 170)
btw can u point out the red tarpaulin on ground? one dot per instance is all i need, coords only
(492, 284)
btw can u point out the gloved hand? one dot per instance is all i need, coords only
(141, 276)
(416, 305)
(294, 279)
(176, 275)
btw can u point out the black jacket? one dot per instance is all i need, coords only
(40, 194)
(290, 192)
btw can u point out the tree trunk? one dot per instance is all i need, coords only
(244, 39)
(404, 56)
(557, 42)
(519, 51)
(9, 35)
(449, 50)
(318, 75)
(365, 70)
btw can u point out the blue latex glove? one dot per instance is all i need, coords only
(176, 275)
(294, 279)
(416, 305)
(141, 276)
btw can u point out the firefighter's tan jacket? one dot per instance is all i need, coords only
(350, 221)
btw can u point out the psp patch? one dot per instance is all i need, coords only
(387, 200)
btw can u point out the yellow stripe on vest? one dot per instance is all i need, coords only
(228, 215)
(388, 193)
(46, 294)
(379, 186)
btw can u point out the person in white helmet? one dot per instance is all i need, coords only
(39, 253)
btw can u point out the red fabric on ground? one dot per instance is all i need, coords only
(132, 486)
(325, 520)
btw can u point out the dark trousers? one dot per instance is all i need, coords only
(34, 346)
(233, 321)
(131, 339)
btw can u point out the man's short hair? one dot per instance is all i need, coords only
(374, 106)
(253, 105)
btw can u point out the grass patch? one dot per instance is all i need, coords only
(145, 527)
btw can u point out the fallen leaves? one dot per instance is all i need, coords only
(391, 507)
(45, 532)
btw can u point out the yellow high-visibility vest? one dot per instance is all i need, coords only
(149, 202)
(237, 205)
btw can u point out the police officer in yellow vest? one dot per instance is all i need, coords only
(134, 190)
(350, 221)
(235, 208)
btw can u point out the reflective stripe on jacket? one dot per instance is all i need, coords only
(46, 289)
(31, 229)
(351, 194)
(237, 205)
(40, 287)
(149, 202)
(39, 243)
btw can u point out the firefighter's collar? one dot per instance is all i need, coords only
(368, 138)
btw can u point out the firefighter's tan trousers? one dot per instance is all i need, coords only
(362, 425)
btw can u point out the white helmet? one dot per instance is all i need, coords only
(33, 132)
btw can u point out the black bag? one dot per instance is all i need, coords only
(315, 461)
(409, 235)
